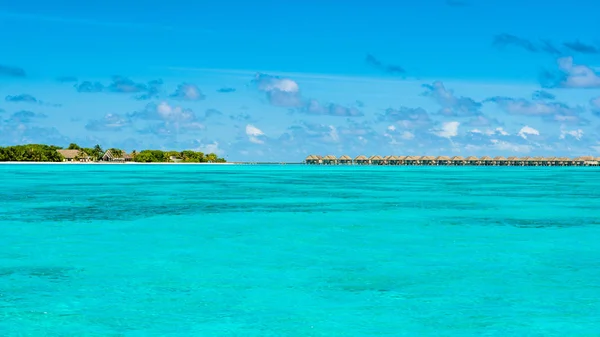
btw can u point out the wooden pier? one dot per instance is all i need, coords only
(452, 161)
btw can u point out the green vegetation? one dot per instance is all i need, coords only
(187, 156)
(48, 153)
(31, 152)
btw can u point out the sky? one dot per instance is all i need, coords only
(278, 80)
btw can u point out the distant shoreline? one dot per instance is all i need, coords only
(134, 163)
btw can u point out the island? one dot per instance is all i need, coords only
(77, 154)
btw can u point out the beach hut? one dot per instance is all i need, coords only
(345, 160)
(512, 161)
(443, 160)
(578, 161)
(74, 155)
(472, 160)
(361, 160)
(116, 155)
(411, 160)
(486, 160)
(393, 160)
(376, 160)
(458, 160)
(386, 160)
(402, 160)
(523, 161)
(428, 160)
(500, 161)
(330, 160)
(312, 159)
(549, 161)
(564, 161)
(530, 161)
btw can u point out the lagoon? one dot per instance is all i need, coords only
(237, 250)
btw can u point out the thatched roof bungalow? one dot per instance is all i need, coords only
(428, 160)
(330, 160)
(458, 160)
(443, 160)
(312, 159)
(501, 161)
(512, 161)
(486, 160)
(116, 156)
(393, 160)
(361, 160)
(74, 155)
(376, 160)
(345, 160)
(472, 160)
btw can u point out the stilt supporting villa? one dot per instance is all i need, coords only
(451, 161)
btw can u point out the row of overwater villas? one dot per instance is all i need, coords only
(453, 161)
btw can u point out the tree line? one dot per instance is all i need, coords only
(49, 153)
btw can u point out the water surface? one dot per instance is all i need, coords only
(176, 250)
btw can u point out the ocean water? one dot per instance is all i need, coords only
(176, 250)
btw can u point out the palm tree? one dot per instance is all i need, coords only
(98, 152)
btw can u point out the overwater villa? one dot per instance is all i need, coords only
(454, 161)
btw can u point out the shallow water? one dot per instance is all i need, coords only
(143, 250)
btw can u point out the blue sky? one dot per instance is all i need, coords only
(278, 80)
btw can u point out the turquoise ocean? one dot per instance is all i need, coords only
(293, 250)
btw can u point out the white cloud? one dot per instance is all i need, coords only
(491, 132)
(577, 75)
(512, 147)
(528, 131)
(170, 113)
(391, 128)
(448, 130)
(210, 148)
(254, 134)
(577, 134)
(407, 135)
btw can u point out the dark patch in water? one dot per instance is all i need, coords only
(50, 273)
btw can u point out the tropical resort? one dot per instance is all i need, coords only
(452, 161)
(76, 154)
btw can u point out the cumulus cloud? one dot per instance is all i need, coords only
(110, 122)
(407, 118)
(570, 75)
(576, 134)
(452, 105)
(21, 98)
(11, 71)
(25, 116)
(504, 40)
(166, 119)
(26, 98)
(549, 111)
(187, 92)
(285, 92)
(491, 132)
(313, 107)
(387, 68)
(124, 85)
(447, 130)
(542, 95)
(581, 47)
(501, 41)
(528, 131)
(255, 135)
